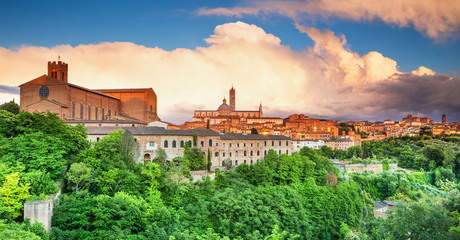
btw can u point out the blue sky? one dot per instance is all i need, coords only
(175, 24)
(411, 41)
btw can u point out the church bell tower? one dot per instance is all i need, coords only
(58, 70)
(232, 98)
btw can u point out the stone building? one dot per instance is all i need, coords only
(74, 103)
(340, 143)
(239, 148)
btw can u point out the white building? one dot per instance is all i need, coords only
(298, 144)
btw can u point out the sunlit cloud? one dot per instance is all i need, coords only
(438, 19)
(328, 79)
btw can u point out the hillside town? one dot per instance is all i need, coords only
(241, 136)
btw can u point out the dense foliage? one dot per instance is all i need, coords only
(300, 196)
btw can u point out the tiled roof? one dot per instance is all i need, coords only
(151, 131)
(123, 90)
(241, 136)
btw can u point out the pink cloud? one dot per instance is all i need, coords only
(438, 19)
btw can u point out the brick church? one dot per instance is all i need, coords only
(76, 104)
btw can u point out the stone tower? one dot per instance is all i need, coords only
(58, 70)
(232, 98)
(444, 118)
(261, 112)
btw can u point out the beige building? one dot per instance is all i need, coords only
(239, 148)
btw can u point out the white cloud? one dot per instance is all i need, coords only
(327, 79)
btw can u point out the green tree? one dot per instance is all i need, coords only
(160, 157)
(254, 131)
(79, 176)
(11, 107)
(127, 148)
(416, 221)
(40, 183)
(13, 195)
(195, 158)
(406, 158)
(453, 201)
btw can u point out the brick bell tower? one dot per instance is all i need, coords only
(58, 70)
(232, 98)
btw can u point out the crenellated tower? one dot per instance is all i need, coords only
(58, 70)
(232, 98)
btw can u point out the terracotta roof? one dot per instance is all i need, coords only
(122, 90)
(69, 84)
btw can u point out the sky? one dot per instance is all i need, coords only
(347, 60)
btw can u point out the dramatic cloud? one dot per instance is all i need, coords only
(9, 89)
(438, 19)
(328, 79)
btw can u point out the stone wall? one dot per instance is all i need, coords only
(361, 168)
(41, 211)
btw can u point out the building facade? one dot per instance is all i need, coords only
(71, 102)
(238, 148)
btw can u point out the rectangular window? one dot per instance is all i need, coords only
(110, 113)
(230, 153)
(230, 144)
(73, 110)
(95, 113)
(81, 110)
(103, 116)
(223, 144)
(89, 112)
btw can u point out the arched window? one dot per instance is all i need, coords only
(190, 143)
(166, 144)
(258, 153)
(210, 142)
(174, 144)
(251, 162)
(182, 143)
(245, 153)
(279, 152)
(244, 161)
(97, 139)
(287, 143)
(280, 143)
(202, 144)
(236, 163)
(287, 151)
(265, 153)
(252, 153)
(146, 157)
(216, 154)
(236, 153)
(273, 143)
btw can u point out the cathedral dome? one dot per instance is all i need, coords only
(224, 106)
